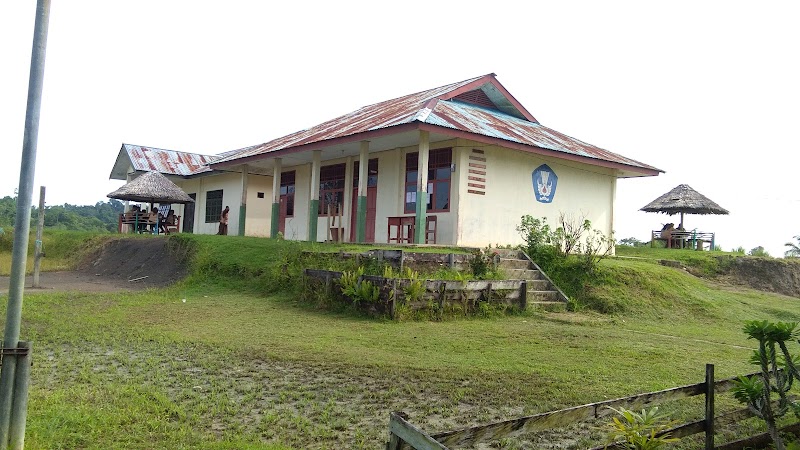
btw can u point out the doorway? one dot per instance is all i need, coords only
(286, 200)
(188, 215)
(372, 201)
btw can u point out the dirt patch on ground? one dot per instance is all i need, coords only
(766, 274)
(121, 264)
(129, 259)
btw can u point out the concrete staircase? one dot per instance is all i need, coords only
(542, 293)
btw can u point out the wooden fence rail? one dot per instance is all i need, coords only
(470, 436)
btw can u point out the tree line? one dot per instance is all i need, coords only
(100, 217)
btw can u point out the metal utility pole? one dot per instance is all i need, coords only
(37, 253)
(14, 382)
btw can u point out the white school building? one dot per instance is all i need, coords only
(473, 155)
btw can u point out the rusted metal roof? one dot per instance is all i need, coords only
(441, 107)
(487, 122)
(168, 162)
(373, 117)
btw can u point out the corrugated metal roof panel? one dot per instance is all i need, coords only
(169, 162)
(373, 117)
(437, 107)
(486, 122)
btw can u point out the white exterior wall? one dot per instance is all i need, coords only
(258, 209)
(297, 226)
(390, 201)
(231, 185)
(582, 190)
(473, 220)
(391, 186)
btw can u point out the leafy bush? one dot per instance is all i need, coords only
(358, 289)
(569, 254)
(484, 264)
(759, 251)
(632, 242)
(640, 431)
(771, 356)
(415, 288)
(6, 239)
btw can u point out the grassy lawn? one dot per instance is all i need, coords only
(231, 368)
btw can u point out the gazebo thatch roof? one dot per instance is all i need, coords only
(151, 187)
(684, 199)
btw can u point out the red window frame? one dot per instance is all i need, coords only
(287, 191)
(372, 173)
(439, 179)
(331, 187)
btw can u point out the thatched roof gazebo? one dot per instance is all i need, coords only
(151, 187)
(684, 200)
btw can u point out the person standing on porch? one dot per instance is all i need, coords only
(223, 222)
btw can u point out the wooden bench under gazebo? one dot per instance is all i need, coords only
(151, 187)
(684, 200)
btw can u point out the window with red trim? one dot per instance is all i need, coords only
(287, 191)
(372, 173)
(439, 173)
(331, 188)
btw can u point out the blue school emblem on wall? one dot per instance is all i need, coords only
(544, 183)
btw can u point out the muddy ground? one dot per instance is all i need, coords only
(123, 264)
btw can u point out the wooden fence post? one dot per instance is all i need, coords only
(709, 388)
(523, 295)
(402, 434)
(328, 283)
(393, 305)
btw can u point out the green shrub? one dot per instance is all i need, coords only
(640, 431)
(570, 254)
(6, 239)
(771, 356)
(479, 264)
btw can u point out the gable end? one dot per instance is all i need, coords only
(476, 97)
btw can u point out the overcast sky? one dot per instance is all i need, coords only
(706, 91)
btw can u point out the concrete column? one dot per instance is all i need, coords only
(422, 185)
(313, 203)
(127, 202)
(363, 173)
(276, 198)
(348, 199)
(243, 204)
(611, 209)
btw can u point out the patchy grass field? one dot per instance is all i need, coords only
(227, 369)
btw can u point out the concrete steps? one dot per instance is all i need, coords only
(548, 306)
(523, 274)
(541, 294)
(508, 263)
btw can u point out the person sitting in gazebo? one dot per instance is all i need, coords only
(666, 232)
(165, 222)
(152, 219)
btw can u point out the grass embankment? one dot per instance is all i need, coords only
(232, 367)
(62, 249)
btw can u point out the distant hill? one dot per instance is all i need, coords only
(102, 216)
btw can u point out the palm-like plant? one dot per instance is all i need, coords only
(794, 248)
